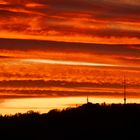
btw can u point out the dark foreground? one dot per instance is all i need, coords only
(89, 121)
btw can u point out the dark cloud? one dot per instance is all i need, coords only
(104, 10)
(102, 32)
(15, 27)
(91, 48)
(4, 57)
(99, 9)
(7, 13)
(58, 83)
(113, 33)
(51, 93)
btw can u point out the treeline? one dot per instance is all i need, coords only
(86, 121)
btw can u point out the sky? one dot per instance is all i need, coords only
(92, 21)
(61, 48)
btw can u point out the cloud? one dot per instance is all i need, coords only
(99, 9)
(62, 85)
(97, 31)
(56, 19)
(26, 45)
(53, 83)
(68, 51)
(50, 93)
(31, 80)
(47, 93)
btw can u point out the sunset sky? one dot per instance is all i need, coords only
(69, 48)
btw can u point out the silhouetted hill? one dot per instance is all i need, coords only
(89, 121)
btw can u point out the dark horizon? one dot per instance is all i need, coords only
(86, 121)
(51, 50)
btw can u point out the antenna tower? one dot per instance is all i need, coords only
(124, 86)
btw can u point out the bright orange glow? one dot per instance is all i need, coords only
(73, 63)
(43, 105)
(34, 5)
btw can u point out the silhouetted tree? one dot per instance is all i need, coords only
(86, 120)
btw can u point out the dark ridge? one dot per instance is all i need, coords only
(89, 121)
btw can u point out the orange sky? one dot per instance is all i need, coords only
(104, 21)
(69, 48)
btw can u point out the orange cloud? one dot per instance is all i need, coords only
(123, 55)
(78, 32)
(110, 22)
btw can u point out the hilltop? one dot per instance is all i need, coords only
(86, 121)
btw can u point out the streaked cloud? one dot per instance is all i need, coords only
(104, 21)
(120, 55)
(54, 48)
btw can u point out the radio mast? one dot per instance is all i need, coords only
(124, 86)
(87, 100)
